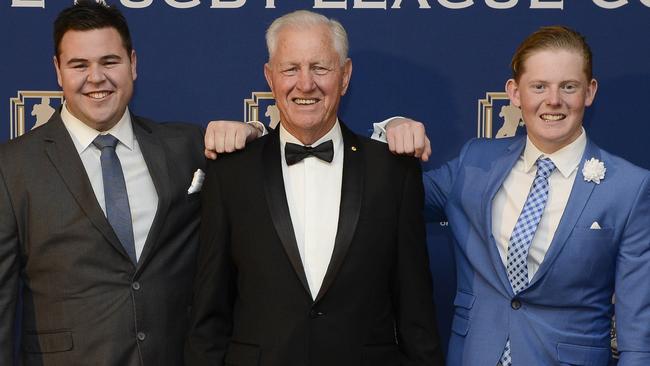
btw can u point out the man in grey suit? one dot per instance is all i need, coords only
(98, 214)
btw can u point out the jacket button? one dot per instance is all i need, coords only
(135, 286)
(515, 304)
(141, 336)
(316, 314)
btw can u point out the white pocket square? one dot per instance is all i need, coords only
(197, 182)
(595, 226)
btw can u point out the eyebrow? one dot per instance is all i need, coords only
(548, 82)
(103, 58)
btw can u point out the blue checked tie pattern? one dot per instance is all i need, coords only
(118, 211)
(523, 234)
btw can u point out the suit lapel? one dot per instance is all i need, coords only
(277, 201)
(578, 198)
(155, 157)
(351, 195)
(65, 158)
(498, 173)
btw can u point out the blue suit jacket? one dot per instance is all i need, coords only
(564, 316)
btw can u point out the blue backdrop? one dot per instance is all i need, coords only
(432, 60)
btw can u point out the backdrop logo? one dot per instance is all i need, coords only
(262, 101)
(508, 120)
(30, 109)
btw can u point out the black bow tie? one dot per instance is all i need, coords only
(294, 153)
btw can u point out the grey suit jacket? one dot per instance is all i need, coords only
(84, 301)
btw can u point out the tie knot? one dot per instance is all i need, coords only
(103, 141)
(545, 167)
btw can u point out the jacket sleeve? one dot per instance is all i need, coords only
(632, 290)
(8, 274)
(438, 184)
(214, 290)
(417, 333)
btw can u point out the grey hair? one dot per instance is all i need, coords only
(304, 19)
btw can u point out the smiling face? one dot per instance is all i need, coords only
(553, 92)
(96, 74)
(307, 80)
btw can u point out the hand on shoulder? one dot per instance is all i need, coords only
(408, 137)
(227, 136)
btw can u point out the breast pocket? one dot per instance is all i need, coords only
(590, 254)
(606, 234)
(191, 197)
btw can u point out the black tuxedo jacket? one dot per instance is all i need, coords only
(252, 305)
(84, 301)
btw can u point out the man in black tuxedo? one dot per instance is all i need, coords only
(312, 240)
(96, 218)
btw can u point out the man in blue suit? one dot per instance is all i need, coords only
(546, 226)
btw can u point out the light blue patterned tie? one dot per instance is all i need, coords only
(523, 234)
(118, 211)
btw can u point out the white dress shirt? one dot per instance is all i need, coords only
(143, 198)
(313, 189)
(511, 197)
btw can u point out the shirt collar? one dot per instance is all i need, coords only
(83, 135)
(566, 160)
(333, 134)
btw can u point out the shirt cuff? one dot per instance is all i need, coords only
(379, 129)
(259, 126)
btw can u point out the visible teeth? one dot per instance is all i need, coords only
(98, 95)
(305, 101)
(552, 117)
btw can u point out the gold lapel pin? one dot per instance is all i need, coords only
(353, 148)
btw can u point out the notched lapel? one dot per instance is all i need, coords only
(498, 173)
(63, 155)
(580, 193)
(351, 196)
(156, 159)
(276, 199)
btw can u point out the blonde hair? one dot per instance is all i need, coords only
(555, 37)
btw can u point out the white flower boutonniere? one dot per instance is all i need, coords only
(593, 170)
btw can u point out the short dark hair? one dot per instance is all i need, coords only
(555, 37)
(87, 15)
